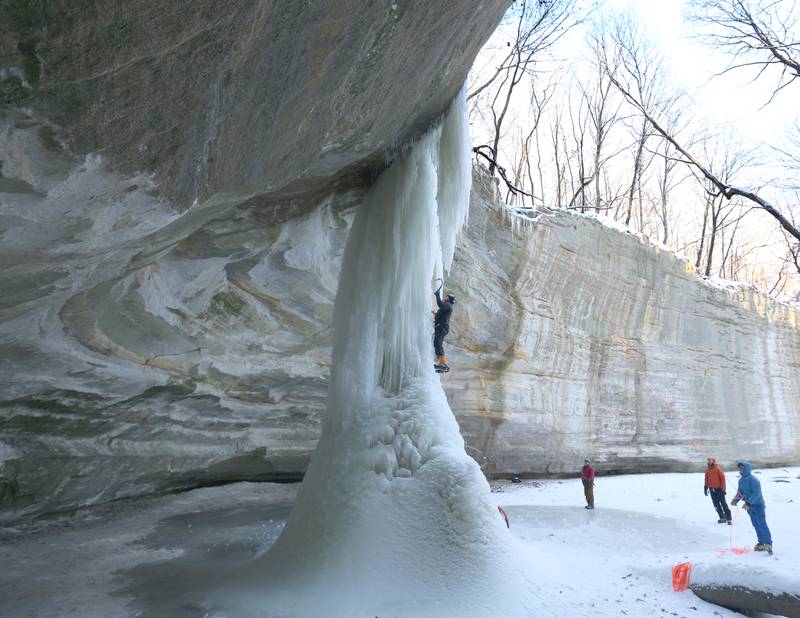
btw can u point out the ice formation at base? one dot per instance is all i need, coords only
(392, 514)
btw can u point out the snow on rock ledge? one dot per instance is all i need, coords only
(750, 589)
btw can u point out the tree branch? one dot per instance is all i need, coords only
(478, 150)
(725, 189)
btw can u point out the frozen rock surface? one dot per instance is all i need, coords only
(166, 304)
(747, 599)
(146, 557)
(158, 556)
(392, 511)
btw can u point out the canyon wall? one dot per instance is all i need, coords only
(209, 363)
(579, 340)
(177, 181)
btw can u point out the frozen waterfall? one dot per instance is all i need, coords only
(392, 512)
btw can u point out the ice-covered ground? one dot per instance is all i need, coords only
(159, 556)
(617, 559)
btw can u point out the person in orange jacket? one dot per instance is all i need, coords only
(715, 483)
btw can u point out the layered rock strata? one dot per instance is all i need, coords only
(250, 98)
(579, 340)
(209, 362)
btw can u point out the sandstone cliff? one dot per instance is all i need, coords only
(265, 100)
(578, 340)
(166, 304)
(209, 363)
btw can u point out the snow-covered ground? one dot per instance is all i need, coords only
(159, 556)
(617, 559)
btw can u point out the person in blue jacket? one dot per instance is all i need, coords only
(750, 492)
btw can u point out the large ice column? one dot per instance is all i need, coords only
(392, 515)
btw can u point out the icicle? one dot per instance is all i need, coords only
(455, 179)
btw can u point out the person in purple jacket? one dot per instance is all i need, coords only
(587, 478)
(750, 492)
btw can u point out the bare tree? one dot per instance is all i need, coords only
(537, 104)
(780, 281)
(540, 98)
(579, 176)
(603, 113)
(522, 186)
(762, 35)
(789, 157)
(667, 176)
(710, 197)
(721, 217)
(792, 244)
(629, 87)
(757, 34)
(629, 59)
(539, 24)
(726, 189)
(556, 140)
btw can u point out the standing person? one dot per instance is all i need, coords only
(715, 483)
(587, 478)
(441, 326)
(750, 492)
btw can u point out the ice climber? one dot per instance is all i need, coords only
(715, 484)
(441, 326)
(750, 492)
(587, 478)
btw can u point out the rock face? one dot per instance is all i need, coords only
(742, 599)
(208, 361)
(748, 587)
(221, 127)
(249, 98)
(165, 309)
(577, 340)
